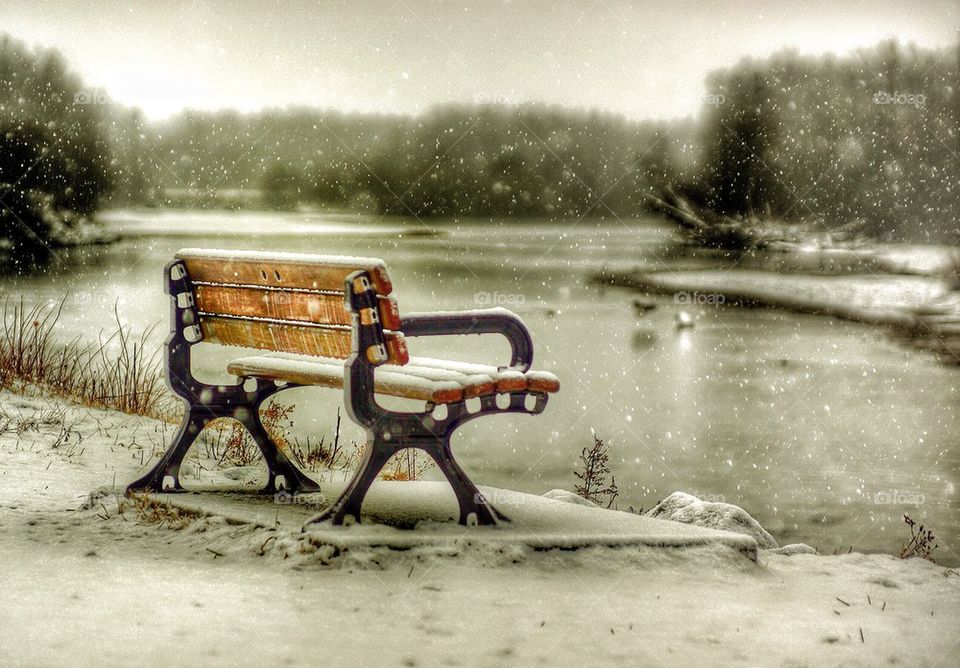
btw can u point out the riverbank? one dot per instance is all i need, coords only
(90, 584)
(922, 310)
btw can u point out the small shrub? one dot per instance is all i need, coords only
(922, 542)
(593, 472)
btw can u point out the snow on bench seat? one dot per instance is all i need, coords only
(423, 378)
(305, 271)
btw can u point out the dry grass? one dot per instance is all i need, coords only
(230, 443)
(315, 456)
(406, 465)
(120, 371)
(151, 511)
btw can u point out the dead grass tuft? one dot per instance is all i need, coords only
(151, 511)
(406, 465)
(120, 371)
(922, 542)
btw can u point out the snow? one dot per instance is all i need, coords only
(86, 585)
(682, 507)
(794, 548)
(568, 497)
(278, 256)
(420, 375)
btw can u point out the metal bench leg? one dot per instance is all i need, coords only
(351, 500)
(469, 497)
(169, 465)
(277, 462)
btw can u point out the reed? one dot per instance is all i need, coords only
(120, 371)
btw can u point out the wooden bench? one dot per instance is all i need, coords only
(331, 321)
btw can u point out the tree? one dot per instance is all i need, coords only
(281, 186)
(53, 154)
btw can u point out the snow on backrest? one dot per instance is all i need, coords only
(288, 302)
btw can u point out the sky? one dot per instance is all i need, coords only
(643, 59)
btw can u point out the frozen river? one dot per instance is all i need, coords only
(826, 431)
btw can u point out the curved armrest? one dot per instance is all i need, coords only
(481, 321)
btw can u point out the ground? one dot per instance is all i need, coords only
(88, 585)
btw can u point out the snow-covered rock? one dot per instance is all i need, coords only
(568, 497)
(686, 508)
(795, 548)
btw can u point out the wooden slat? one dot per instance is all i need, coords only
(262, 271)
(542, 381)
(251, 302)
(506, 379)
(390, 380)
(303, 340)
(440, 381)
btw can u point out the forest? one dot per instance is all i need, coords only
(867, 141)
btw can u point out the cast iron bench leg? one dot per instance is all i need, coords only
(471, 501)
(277, 462)
(351, 500)
(169, 465)
(469, 498)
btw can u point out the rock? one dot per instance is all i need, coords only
(686, 508)
(795, 548)
(568, 497)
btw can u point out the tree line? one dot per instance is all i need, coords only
(869, 140)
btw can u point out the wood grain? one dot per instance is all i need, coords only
(282, 274)
(323, 341)
(315, 307)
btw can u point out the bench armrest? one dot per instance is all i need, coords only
(480, 321)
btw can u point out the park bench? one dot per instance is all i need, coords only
(331, 321)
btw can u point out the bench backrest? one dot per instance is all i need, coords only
(287, 302)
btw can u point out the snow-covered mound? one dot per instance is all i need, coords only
(686, 508)
(794, 549)
(568, 497)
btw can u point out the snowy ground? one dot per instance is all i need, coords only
(87, 585)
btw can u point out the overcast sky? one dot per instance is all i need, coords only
(642, 59)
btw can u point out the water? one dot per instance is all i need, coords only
(826, 431)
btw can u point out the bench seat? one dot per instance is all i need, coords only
(422, 378)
